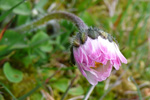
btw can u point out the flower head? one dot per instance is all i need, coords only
(95, 52)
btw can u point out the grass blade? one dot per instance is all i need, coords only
(14, 98)
(5, 28)
(10, 10)
(29, 93)
(38, 86)
(66, 92)
(138, 89)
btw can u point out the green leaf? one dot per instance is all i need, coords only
(83, 5)
(28, 60)
(9, 42)
(36, 96)
(1, 97)
(10, 9)
(39, 6)
(22, 20)
(19, 46)
(76, 91)
(46, 47)
(41, 40)
(2, 47)
(29, 93)
(12, 74)
(88, 18)
(9, 39)
(61, 84)
(14, 5)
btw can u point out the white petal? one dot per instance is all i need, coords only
(91, 78)
(103, 44)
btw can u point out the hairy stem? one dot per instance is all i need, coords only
(54, 15)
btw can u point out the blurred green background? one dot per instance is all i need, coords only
(28, 58)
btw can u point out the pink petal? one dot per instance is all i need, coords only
(91, 48)
(116, 63)
(122, 58)
(78, 55)
(81, 70)
(102, 59)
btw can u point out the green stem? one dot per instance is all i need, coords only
(89, 92)
(54, 15)
(138, 89)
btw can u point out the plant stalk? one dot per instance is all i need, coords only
(89, 92)
(54, 15)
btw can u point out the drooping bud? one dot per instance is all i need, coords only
(92, 33)
(96, 54)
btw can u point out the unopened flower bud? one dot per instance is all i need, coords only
(97, 55)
